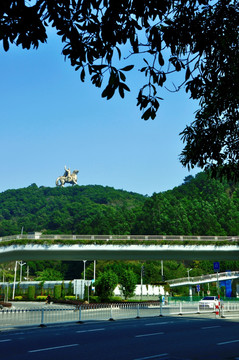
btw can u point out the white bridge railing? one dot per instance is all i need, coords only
(204, 278)
(121, 237)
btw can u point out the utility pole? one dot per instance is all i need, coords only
(142, 275)
(94, 269)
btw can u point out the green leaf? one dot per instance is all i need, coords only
(147, 114)
(125, 87)
(121, 90)
(122, 76)
(160, 59)
(82, 75)
(127, 68)
(5, 44)
(188, 73)
(119, 52)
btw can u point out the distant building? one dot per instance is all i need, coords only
(34, 235)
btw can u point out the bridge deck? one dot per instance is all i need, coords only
(76, 252)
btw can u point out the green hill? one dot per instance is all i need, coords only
(200, 206)
(91, 209)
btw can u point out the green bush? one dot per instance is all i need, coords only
(105, 284)
(94, 299)
(31, 292)
(18, 298)
(8, 292)
(63, 290)
(128, 281)
(41, 297)
(115, 299)
(18, 290)
(70, 297)
(57, 291)
(70, 289)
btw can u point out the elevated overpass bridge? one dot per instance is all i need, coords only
(118, 247)
(198, 280)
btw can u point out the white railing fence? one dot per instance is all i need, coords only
(120, 237)
(48, 315)
(209, 277)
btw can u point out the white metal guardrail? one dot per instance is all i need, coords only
(204, 278)
(10, 318)
(121, 237)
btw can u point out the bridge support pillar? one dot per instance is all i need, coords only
(190, 293)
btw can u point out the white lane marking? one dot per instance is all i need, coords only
(152, 357)
(52, 348)
(5, 340)
(228, 342)
(160, 323)
(153, 334)
(85, 331)
(210, 327)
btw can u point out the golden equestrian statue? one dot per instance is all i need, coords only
(68, 177)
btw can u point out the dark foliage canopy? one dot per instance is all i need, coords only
(197, 38)
(200, 206)
(91, 209)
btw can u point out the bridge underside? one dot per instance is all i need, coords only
(118, 252)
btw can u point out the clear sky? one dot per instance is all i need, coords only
(50, 119)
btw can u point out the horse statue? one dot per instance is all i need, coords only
(68, 177)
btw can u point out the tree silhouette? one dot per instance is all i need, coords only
(198, 38)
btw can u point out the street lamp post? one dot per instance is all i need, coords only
(188, 270)
(14, 281)
(84, 261)
(84, 269)
(15, 276)
(21, 265)
(190, 286)
(94, 270)
(142, 275)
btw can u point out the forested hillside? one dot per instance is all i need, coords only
(200, 206)
(88, 209)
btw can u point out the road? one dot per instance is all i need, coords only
(178, 338)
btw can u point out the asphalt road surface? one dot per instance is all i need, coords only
(176, 338)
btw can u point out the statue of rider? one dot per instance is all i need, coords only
(67, 174)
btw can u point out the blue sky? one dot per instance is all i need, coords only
(50, 119)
